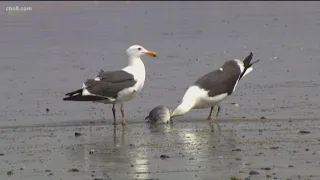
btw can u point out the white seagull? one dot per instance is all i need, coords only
(115, 87)
(214, 87)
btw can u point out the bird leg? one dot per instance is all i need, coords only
(213, 123)
(209, 117)
(114, 115)
(218, 112)
(216, 116)
(122, 113)
(114, 136)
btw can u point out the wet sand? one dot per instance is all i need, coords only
(181, 150)
(50, 50)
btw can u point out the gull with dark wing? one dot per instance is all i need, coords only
(115, 87)
(212, 88)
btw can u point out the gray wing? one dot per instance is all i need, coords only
(219, 82)
(114, 76)
(110, 83)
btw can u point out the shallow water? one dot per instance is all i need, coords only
(52, 49)
(181, 150)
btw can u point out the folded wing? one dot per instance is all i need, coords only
(105, 85)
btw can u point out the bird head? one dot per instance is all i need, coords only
(137, 51)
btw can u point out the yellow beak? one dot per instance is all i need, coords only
(151, 53)
(172, 116)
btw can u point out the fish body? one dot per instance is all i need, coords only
(159, 114)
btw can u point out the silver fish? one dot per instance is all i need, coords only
(159, 114)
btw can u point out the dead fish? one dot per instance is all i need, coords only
(159, 114)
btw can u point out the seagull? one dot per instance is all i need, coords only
(212, 88)
(115, 87)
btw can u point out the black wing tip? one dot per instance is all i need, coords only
(71, 97)
(79, 97)
(255, 62)
(250, 55)
(68, 94)
(67, 98)
(247, 60)
(74, 92)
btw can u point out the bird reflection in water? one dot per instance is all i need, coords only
(131, 150)
(123, 137)
(134, 151)
(160, 128)
(215, 127)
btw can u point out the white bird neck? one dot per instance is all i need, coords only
(186, 105)
(189, 101)
(134, 61)
(137, 68)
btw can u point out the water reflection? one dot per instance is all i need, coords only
(123, 137)
(160, 128)
(134, 151)
(215, 127)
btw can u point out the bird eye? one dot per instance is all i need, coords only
(139, 49)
